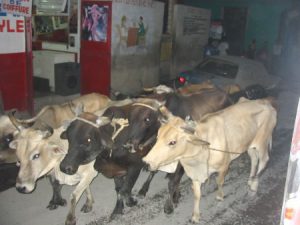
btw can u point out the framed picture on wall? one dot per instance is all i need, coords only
(94, 22)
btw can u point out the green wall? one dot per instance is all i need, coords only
(262, 21)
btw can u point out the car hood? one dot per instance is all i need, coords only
(201, 76)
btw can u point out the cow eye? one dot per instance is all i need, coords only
(35, 156)
(9, 138)
(147, 120)
(172, 143)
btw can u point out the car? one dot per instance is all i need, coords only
(223, 70)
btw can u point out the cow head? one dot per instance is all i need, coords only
(175, 137)
(143, 121)
(38, 152)
(87, 138)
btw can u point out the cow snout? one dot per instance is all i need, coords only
(149, 165)
(24, 189)
(68, 169)
(21, 189)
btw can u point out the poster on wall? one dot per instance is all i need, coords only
(291, 207)
(16, 7)
(136, 27)
(12, 34)
(94, 24)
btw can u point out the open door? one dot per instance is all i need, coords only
(234, 22)
(16, 62)
(95, 52)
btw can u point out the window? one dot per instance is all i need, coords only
(219, 68)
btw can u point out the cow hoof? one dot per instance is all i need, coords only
(169, 207)
(220, 198)
(142, 193)
(195, 219)
(176, 197)
(254, 185)
(71, 220)
(86, 208)
(114, 215)
(54, 204)
(131, 202)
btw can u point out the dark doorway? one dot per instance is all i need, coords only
(234, 23)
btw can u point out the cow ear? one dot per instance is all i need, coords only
(63, 135)
(165, 114)
(57, 150)
(13, 144)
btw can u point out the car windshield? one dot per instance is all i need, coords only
(219, 68)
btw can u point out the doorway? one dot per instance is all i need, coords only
(234, 23)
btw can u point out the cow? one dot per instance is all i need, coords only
(144, 124)
(190, 88)
(110, 149)
(53, 115)
(39, 153)
(209, 145)
(105, 140)
(209, 98)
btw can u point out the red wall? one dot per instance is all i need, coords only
(13, 81)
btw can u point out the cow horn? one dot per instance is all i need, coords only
(165, 112)
(46, 130)
(188, 129)
(13, 119)
(148, 89)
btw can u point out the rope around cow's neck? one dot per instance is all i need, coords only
(122, 123)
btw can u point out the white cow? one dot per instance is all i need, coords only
(39, 153)
(210, 145)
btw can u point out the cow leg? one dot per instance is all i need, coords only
(119, 204)
(75, 196)
(197, 196)
(130, 179)
(57, 199)
(88, 205)
(262, 162)
(174, 193)
(146, 185)
(220, 181)
(252, 182)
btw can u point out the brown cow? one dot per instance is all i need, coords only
(210, 145)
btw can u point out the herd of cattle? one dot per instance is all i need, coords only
(197, 130)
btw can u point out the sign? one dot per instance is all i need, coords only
(16, 7)
(291, 207)
(12, 34)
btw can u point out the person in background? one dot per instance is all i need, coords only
(223, 46)
(263, 55)
(251, 53)
(211, 48)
